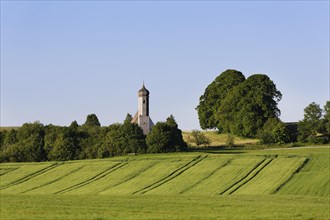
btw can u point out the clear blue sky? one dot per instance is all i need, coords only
(61, 61)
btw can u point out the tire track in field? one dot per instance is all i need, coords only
(249, 176)
(32, 175)
(129, 178)
(172, 175)
(208, 176)
(302, 165)
(92, 179)
(53, 181)
(7, 170)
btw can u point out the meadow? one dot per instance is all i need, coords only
(291, 183)
(217, 139)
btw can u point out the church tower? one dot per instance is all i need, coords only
(143, 101)
(142, 117)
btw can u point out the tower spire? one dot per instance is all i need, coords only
(142, 116)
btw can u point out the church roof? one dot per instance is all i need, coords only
(143, 91)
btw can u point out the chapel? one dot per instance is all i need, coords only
(142, 117)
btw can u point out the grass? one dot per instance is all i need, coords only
(250, 174)
(270, 178)
(224, 184)
(21, 173)
(313, 179)
(162, 207)
(217, 139)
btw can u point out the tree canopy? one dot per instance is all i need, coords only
(314, 127)
(273, 131)
(248, 106)
(235, 105)
(165, 137)
(36, 142)
(92, 120)
(213, 96)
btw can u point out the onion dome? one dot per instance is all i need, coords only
(143, 91)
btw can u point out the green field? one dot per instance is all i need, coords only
(232, 184)
(217, 139)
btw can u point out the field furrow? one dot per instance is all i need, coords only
(97, 177)
(121, 187)
(69, 172)
(191, 176)
(86, 172)
(131, 170)
(216, 168)
(51, 176)
(171, 176)
(248, 177)
(301, 166)
(27, 177)
(313, 179)
(271, 176)
(161, 169)
(6, 170)
(225, 176)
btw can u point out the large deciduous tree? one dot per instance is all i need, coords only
(249, 105)
(312, 128)
(235, 105)
(211, 100)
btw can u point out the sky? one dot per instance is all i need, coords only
(63, 60)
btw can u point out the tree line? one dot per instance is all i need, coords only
(38, 142)
(232, 104)
(248, 107)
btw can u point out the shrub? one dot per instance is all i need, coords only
(199, 138)
(274, 131)
(230, 142)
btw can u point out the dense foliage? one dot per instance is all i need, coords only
(165, 137)
(238, 106)
(37, 142)
(213, 96)
(314, 128)
(273, 131)
(249, 108)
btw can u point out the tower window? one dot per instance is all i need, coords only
(144, 101)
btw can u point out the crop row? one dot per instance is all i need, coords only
(191, 175)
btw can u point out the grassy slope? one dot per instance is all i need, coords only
(219, 139)
(286, 183)
(313, 179)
